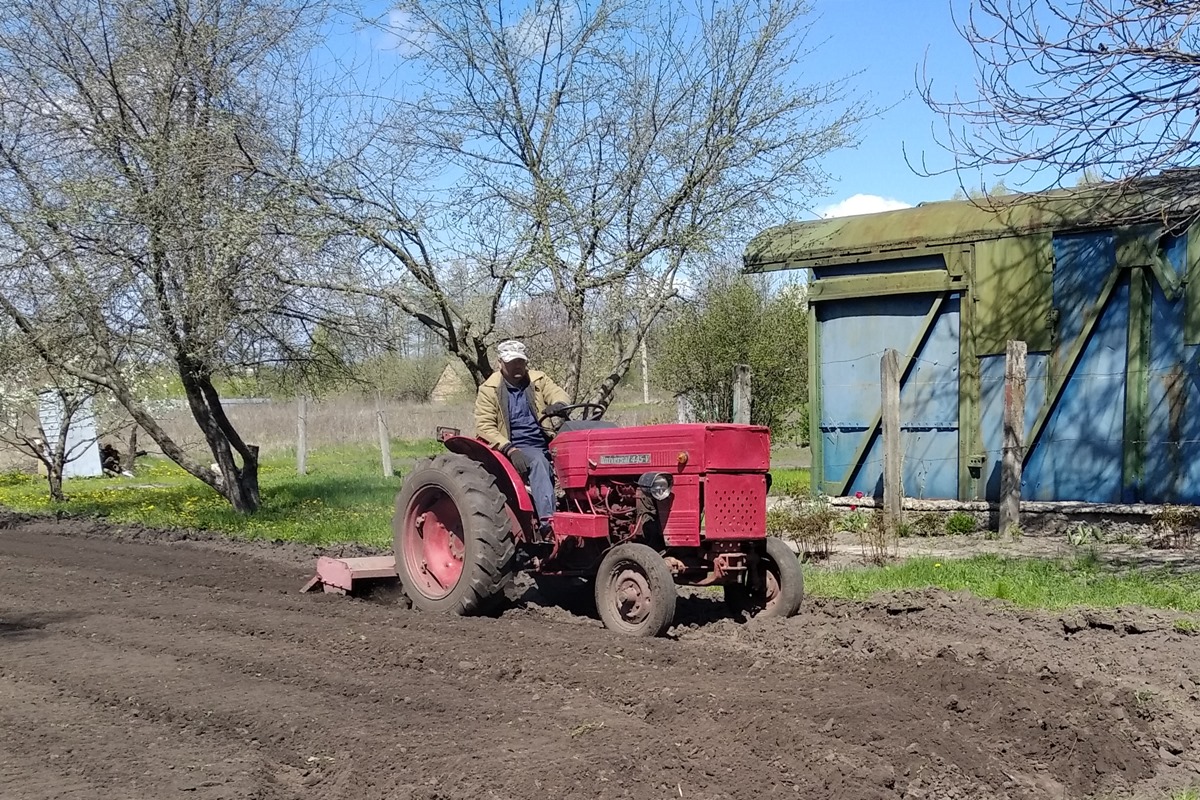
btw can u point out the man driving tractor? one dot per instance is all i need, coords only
(507, 409)
(462, 527)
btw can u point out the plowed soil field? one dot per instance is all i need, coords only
(137, 665)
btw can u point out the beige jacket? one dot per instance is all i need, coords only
(491, 413)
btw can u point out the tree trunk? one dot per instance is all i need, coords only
(645, 373)
(244, 494)
(478, 363)
(56, 466)
(575, 333)
(608, 386)
(237, 483)
(55, 478)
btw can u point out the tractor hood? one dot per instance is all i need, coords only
(691, 449)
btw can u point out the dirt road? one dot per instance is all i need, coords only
(136, 669)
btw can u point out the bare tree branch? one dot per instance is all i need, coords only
(578, 162)
(1071, 90)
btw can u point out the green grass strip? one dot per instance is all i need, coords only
(1033, 583)
(344, 497)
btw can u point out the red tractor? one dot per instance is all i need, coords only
(640, 511)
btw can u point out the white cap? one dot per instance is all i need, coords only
(512, 350)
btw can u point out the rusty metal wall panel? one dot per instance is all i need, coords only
(1013, 289)
(992, 410)
(1172, 472)
(1080, 454)
(855, 333)
(1112, 318)
(934, 262)
(929, 424)
(1191, 250)
(1083, 263)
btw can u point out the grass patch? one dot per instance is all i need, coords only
(790, 481)
(960, 523)
(343, 498)
(1025, 582)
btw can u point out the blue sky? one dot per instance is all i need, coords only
(882, 45)
(886, 42)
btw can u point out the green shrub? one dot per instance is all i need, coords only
(741, 319)
(807, 521)
(854, 522)
(960, 522)
(15, 478)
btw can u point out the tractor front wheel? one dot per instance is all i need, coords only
(453, 537)
(780, 587)
(635, 593)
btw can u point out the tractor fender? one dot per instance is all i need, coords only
(508, 480)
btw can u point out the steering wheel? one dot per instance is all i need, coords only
(591, 411)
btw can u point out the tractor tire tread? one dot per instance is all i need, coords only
(492, 551)
(791, 580)
(791, 576)
(660, 581)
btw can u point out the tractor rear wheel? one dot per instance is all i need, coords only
(453, 537)
(782, 585)
(635, 592)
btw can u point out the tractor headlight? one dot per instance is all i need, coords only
(656, 484)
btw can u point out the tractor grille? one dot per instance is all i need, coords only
(735, 506)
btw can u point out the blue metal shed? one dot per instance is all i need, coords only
(1097, 282)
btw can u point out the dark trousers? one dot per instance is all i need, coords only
(541, 481)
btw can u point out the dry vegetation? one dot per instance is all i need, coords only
(336, 421)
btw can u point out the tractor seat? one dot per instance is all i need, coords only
(586, 425)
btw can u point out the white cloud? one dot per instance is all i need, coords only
(400, 33)
(862, 204)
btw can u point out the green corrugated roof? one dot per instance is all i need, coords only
(1168, 198)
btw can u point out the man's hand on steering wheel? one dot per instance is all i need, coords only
(592, 411)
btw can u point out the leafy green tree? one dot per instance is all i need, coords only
(134, 215)
(738, 319)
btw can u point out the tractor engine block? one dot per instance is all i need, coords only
(618, 501)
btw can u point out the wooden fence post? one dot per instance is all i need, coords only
(893, 485)
(385, 440)
(645, 373)
(741, 394)
(301, 435)
(131, 454)
(1013, 454)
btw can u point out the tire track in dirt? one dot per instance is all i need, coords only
(215, 652)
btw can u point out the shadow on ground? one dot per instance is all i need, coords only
(26, 624)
